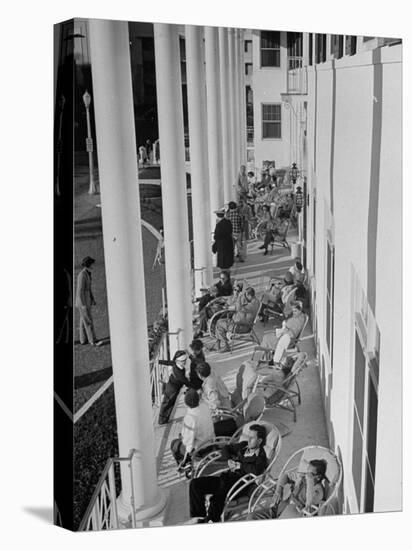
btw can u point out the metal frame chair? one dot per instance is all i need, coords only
(282, 395)
(235, 335)
(262, 498)
(236, 501)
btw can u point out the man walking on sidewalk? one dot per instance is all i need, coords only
(84, 302)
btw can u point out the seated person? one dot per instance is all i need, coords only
(280, 339)
(246, 457)
(277, 229)
(243, 319)
(210, 309)
(297, 492)
(222, 288)
(298, 272)
(277, 377)
(213, 391)
(197, 427)
(277, 298)
(196, 356)
(245, 381)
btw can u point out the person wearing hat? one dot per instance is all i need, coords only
(84, 302)
(223, 241)
(278, 296)
(197, 427)
(177, 379)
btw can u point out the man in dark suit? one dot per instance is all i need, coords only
(246, 457)
(84, 302)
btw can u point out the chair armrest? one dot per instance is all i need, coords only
(261, 348)
(240, 485)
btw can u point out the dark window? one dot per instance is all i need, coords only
(350, 47)
(336, 46)
(310, 49)
(270, 49)
(330, 273)
(320, 52)
(295, 44)
(248, 69)
(271, 121)
(248, 46)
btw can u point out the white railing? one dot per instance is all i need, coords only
(101, 514)
(158, 373)
(297, 75)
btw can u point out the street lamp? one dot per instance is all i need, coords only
(89, 142)
(299, 199)
(293, 173)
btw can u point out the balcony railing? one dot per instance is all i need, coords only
(158, 373)
(297, 76)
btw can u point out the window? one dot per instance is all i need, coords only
(270, 49)
(330, 276)
(350, 46)
(320, 52)
(248, 69)
(365, 416)
(310, 49)
(271, 121)
(336, 46)
(248, 46)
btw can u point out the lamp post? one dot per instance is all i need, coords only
(89, 142)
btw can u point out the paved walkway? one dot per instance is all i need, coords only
(310, 427)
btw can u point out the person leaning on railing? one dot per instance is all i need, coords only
(177, 379)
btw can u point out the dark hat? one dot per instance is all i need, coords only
(88, 261)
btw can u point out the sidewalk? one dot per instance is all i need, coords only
(310, 427)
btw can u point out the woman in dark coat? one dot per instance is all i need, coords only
(177, 380)
(223, 241)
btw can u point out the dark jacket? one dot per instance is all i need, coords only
(224, 289)
(223, 244)
(255, 464)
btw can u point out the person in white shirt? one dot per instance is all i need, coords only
(298, 272)
(214, 391)
(197, 428)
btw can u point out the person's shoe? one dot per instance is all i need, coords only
(261, 247)
(265, 253)
(241, 259)
(98, 343)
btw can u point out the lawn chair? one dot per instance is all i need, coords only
(237, 499)
(280, 239)
(261, 501)
(280, 389)
(272, 309)
(293, 346)
(236, 335)
(207, 459)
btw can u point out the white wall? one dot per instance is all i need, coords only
(351, 176)
(268, 84)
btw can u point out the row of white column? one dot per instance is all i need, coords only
(217, 130)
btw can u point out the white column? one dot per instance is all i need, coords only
(173, 177)
(232, 102)
(225, 104)
(237, 99)
(123, 252)
(242, 90)
(213, 120)
(196, 98)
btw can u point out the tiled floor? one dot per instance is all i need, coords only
(310, 427)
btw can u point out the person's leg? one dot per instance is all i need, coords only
(221, 331)
(217, 500)
(178, 450)
(198, 489)
(169, 399)
(88, 325)
(82, 330)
